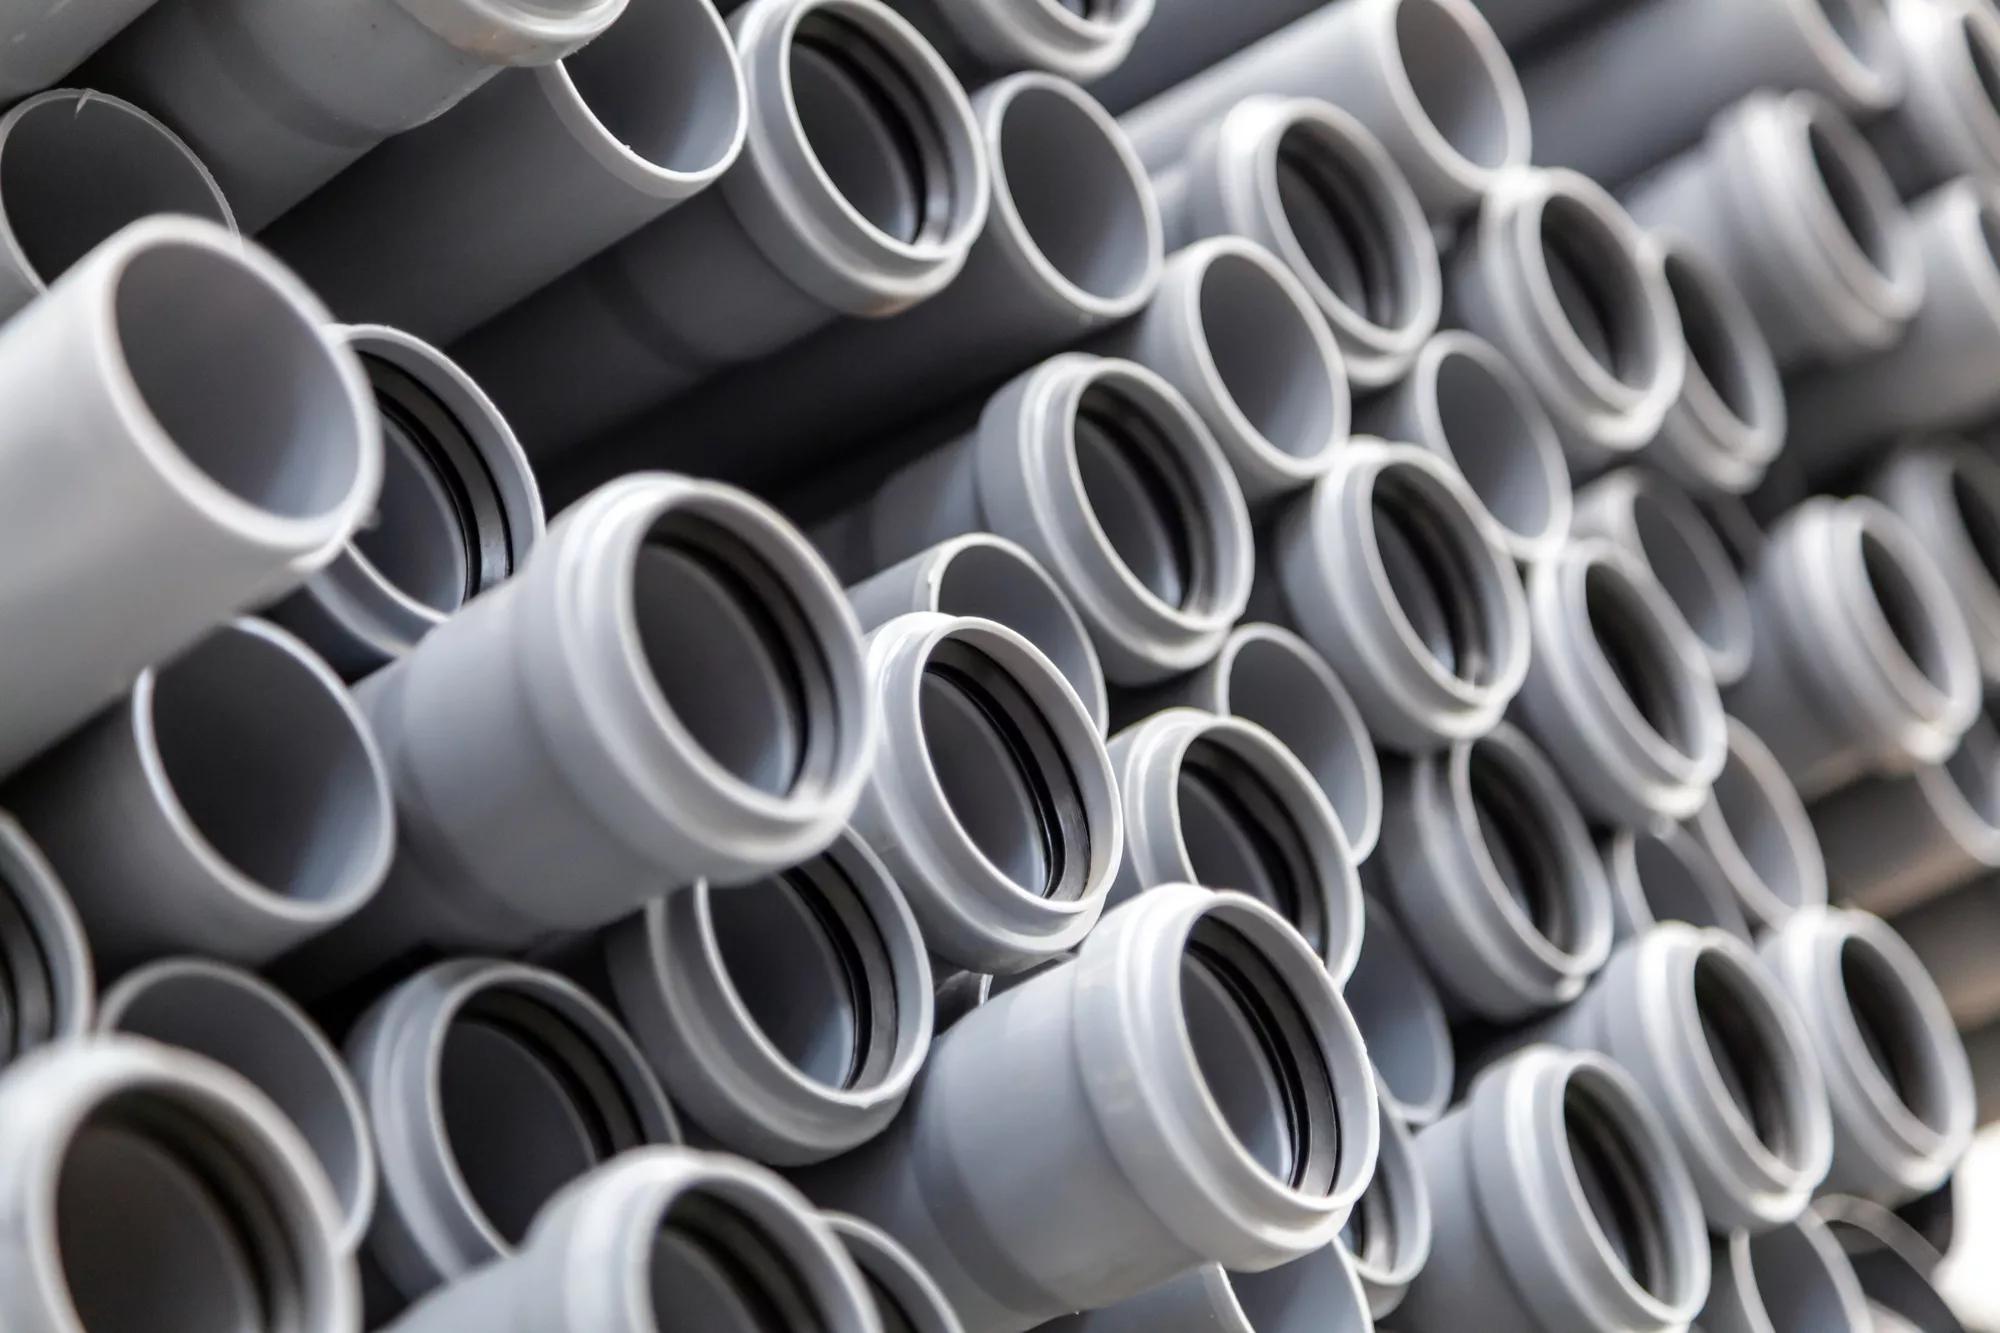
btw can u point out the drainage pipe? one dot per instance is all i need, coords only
(1955, 935)
(1948, 122)
(50, 990)
(902, 1293)
(1402, 1018)
(1949, 490)
(44, 43)
(960, 993)
(1184, 37)
(1320, 1292)
(1666, 873)
(1796, 1276)
(1893, 1263)
(984, 39)
(1388, 1238)
(1756, 830)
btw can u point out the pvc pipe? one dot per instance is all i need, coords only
(1466, 403)
(1949, 491)
(1619, 691)
(723, 755)
(1896, 1074)
(178, 380)
(1932, 1217)
(1653, 519)
(1618, 95)
(903, 1294)
(129, 1172)
(991, 578)
(489, 1086)
(1554, 273)
(1402, 1018)
(1948, 122)
(1427, 77)
(1103, 472)
(1270, 676)
(860, 190)
(247, 1025)
(1219, 800)
(1387, 568)
(239, 783)
(960, 993)
(1562, 1202)
(50, 989)
(1893, 1264)
(1487, 863)
(1931, 378)
(457, 512)
(992, 802)
(1954, 935)
(1666, 873)
(1318, 1292)
(1309, 183)
(1793, 1277)
(280, 98)
(1743, 537)
(986, 38)
(1114, 1121)
(661, 1238)
(1525, 25)
(1756, 829)
(1785, 196)
(1184, 37)
(1388, 1237)
(1862, 661)
(45, 43)
(787, 1020)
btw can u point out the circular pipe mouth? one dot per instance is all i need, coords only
(907, 1299)
(1388, 1236)
(1536, 862)
(1973, 487)
(1403, 1021)
(1636, 645)
(1853, 42)
(1595, 298)
(1855, 209)
(1896, 1034)
(1682, 551)
(1968, 798)
(46, 975)
(1666, 874)
(1271, 359)
(1794, 1276)
(1732, 377)
(1619, 1175)
(269, 772)
(1459, 91)
(734, 1253)
(1441, 578)
(1758, 830)
(1909, 609)
(990, 578)
(1757, 1056)
(1320, 1291)
(1893, 1263)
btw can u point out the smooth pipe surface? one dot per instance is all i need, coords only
(1954, 935)
(986, 38)
(43, 43)
(1949, 491)
(1403, 1020)
(1948, 121)
(1796, 1276)
(1183, 37)
(50, 979)
(1318, 1292)
(1757, 830)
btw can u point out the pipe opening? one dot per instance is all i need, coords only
(1675, 888)
(1713, 349)
(1760, 830)
(1255, 1051)
(1272, 682)
(239, 378)
(1401, 1018)
(1688, 559)
(661, 82)
(1893, 1032)
(714, 1267)
(1002, 583)
(1796, 1283)
(1335, 214)
(1432, 578)
(1307, 1295)
(1003, 772)
(1976, 501)
(1599, 291)
(1455, 88)
(1522, 844)
(1854, 207)
(1734, 1016)
(1076, 194)
(1142, 499)
(270, 766)
(1642, 657)
(1905, 612)
(1494, 437)
(1240, 833)
(1264, 349)
(1618, 1188)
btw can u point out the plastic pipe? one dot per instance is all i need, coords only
(1932, 1217)
(1388, 568)
(246, 1025)
(986, 38)
(280, 98)
(1319, 1292)
(1731, 517)
(1184, 37)
(904, 1296)
(1793, 1277)
(1666, 873)
(1655, 520)
(130, 1176)
(1621, 94)
(179, 380)
(1948, 122)
(239, 783)
(1954, 935)
(1949, 491)
(786, 1020)
(994, 579)
(1862, 661)
(862, 185)
(1619, 691)
(1526, 25)
(1896, 1073)
(1893, 1264)
(1427, 77)
(489, 1086)
(1487, 863)
(1787, 199)
(1306, 181)
(1270, 676)
(1757, 831)
(1465, 402)
(1388, 1237)
(1219, 800)
(960, 993)
(448, 224)
(457, 512)
(992, 802)
(44, 43)
(726, 754)
(50, 987)
(1562, 1203)
(1983, 1046)
(1114, 1122)
(1402, 1018)
(1553, 273)
(1102, 471)
(658, 1239)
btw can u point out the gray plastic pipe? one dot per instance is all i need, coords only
(43, 42)
(1619, 692)
(1183, 37)
(1983, 1046)
(861, 188)
(1077, 39)
(1896, 1074)
(50, 989)
(280, 97)
(1388, 1237)
(1427, 77)
(786, 1020)
(994, 579)
(619, 752)
(1788, 200)
(456, 514)
(1862, 661)
(180, 382)
(449, 223)
(1465, 402)
(1306, 181)
(128, 1187)
(1388, 567)
(1757, 831)
(239, 783)
(1487, 863)
(1948, 122)
(1270, 676)
(1955, 936)
(960, 993)
(991, 802)
(1561, 1202)
(1666, 873)
(245, 1024)
(1616, 96)
(1933, 377)
(1932, 1217)
(1893, 1264)
(1653, 519)
(489, 1086)
(1553, 273)
(1949, 491)
(1219, 800)
(1317, 1294)
(1402, 1018)
(904, 1296)
(1796, 1276)
(1723, 1057)
(1525, 25)
(1189, 1090)
(1101, 470)
(661, 1239)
